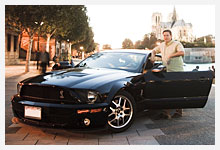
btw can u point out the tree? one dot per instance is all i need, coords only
(24, 17)
(52, 21)
(64, 22)
(187, 44)
(88, 43)
(146, 41)
(75, 28)
(75, 25)
(138, 45)
(204, 41)
(152, 42)
(127, 44)
(78, 31)
(106, 46)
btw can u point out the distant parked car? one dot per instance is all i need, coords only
(62, 65)
(65, 64)
(106, 90)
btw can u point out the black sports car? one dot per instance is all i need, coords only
(107, 89)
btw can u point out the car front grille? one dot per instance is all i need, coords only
(51, 94)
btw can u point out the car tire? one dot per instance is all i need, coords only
(122, 112)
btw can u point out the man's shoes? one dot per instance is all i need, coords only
(177, 115)
(162, 116)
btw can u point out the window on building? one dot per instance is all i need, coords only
(9, 42)
(15, 42)
(180, 33)
(184, 33)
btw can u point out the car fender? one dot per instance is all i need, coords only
(115, 88)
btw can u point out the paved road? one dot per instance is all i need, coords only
(196, 127)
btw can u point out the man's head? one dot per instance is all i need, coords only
(167, 35)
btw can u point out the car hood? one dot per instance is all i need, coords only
(81, 77)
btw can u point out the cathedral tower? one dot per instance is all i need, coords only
(156, 20)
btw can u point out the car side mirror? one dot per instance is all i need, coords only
(156, 70)
(160, 68)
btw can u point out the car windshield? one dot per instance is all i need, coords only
(114, 60)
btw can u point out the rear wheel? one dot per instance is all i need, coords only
(122, 112)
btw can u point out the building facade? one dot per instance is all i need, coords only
(11, 47)
(14, 55)
(38, 43)
(181, 30)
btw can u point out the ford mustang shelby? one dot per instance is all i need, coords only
(106, 90)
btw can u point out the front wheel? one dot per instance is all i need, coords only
(122, 112)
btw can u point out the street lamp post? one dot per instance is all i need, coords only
(70, 47)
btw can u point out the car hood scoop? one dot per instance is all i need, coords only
(81, 78)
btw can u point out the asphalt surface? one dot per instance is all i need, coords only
(196, 127)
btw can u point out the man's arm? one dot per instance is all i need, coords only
(154, 52)
(179, 53)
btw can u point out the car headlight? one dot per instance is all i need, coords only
(92, 97)
(19, 86)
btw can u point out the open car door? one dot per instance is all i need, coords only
(177, 89)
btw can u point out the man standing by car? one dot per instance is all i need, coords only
(172, 53)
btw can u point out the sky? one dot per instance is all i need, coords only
(111, 24)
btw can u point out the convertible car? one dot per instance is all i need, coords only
(107, 89)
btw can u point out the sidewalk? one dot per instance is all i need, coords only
(18, 71)
(34, 63)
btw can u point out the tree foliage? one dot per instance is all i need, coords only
(106, 46)
(65, 22)
(148, 42)
(74, 25)
(197, 44)
(204, 41)
(88, 43)
(152, 42)
(24, 18)
(127, 44)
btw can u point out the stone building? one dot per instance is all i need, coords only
(11, 47)
(181, 30)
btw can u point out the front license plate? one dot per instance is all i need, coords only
(32, 112)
